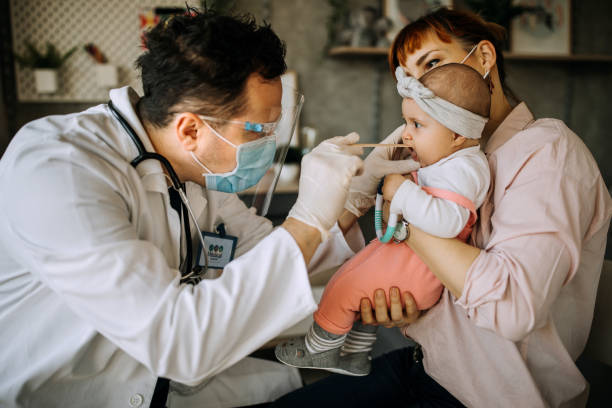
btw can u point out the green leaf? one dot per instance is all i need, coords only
(51, 58)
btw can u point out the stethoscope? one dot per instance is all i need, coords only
(188, 274)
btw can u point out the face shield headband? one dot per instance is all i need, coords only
(459, 120)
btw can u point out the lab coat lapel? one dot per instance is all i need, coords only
(151, 172)
(197, 201)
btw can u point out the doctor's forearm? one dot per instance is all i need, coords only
(308, 238)
(448, 258)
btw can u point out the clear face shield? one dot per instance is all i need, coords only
(260, 195)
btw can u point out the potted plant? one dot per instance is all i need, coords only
(45, 65)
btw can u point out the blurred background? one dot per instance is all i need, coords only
(558, 60)
(63, 56)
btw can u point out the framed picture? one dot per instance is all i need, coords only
(544, 28)
(402, 12)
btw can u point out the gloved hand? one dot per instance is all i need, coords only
(324, 182)
(362, 192)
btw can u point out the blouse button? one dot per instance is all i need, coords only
(136, 400)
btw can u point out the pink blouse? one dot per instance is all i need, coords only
(525, 313)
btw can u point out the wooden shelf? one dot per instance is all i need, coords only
(346, 51)
(562, 58)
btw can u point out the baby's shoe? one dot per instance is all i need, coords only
(295, 354)
(357, 364)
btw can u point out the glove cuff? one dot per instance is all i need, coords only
(297, 213)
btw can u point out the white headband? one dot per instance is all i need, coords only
(459, 120)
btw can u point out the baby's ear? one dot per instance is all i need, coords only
(458, 139)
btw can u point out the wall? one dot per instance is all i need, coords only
(5, 74)
(4, 132)
(578, 93)
(340, 92)
(114, 26)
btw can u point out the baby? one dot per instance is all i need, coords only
(445, 112)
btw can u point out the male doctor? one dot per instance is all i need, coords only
(93, 310)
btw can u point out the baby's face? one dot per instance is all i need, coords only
(429, 140)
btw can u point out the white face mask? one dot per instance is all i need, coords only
(468, 56)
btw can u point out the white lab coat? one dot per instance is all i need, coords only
(91, 309)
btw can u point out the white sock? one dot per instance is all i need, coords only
(318, 343)
(358, 341)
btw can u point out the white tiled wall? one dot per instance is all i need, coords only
(113, 25)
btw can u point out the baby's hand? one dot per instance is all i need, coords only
(392, 183)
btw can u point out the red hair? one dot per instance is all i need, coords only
(465, 27)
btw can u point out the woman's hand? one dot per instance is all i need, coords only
(397, 315)
(392, 183)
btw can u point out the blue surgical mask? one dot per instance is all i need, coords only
(253, 159)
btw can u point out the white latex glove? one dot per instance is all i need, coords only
(362, 193)
(324, 182)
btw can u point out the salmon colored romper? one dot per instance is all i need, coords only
(382, 266)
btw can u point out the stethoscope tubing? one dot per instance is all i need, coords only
(143, 155)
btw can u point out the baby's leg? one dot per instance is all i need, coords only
(319, 340)
(360, 339)
(320, 348)
(376, 266)
(355, 280)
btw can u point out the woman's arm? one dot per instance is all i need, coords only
(532, 247)
(451, 267)
(451, 270)
(530, 251)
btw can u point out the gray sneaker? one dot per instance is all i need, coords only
(295, 354)
(358, 364)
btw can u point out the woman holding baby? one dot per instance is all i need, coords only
(519, 295)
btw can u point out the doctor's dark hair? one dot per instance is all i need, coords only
(199, 62)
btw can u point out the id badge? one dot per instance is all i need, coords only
(219, 247)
